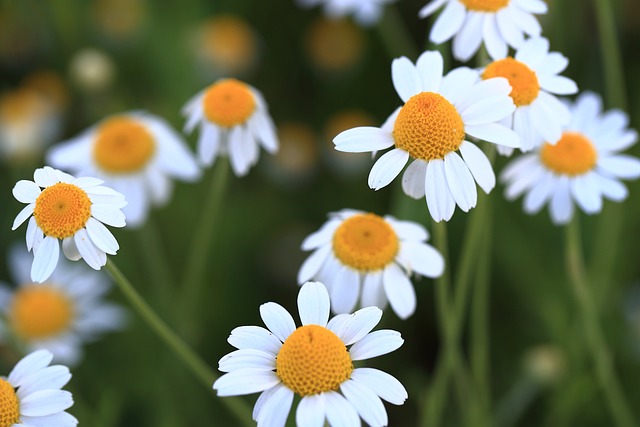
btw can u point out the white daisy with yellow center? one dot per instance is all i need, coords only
(533, 76)
(62, 207)
(360, 255)
(584, 166)
(365, 12)
(60, 314)
(313, 361)
(31, 395)
(136, 154)
(499, 23)
(431, 127)
(233, 121)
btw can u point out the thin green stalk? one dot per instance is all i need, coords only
(594, 339)
(516, 402)
(157, 264)
(197, 366)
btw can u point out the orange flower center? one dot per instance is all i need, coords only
(523, 80)
(485, 5)
(40, 311)
(9, 405)
(123, 146)
(228, 103)
(61, 210)
(572, 155)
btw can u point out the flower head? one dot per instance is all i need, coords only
(431, 127)
(31, 395)
(499, 23)
(136, 154)
(533, 76)
(365, 12)
(233, 120)
(584, 166)
(360, 255)
(60, 314)
(62, 207)
(314, 361)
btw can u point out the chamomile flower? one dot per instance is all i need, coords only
(499, 23)
(431, 126)
(31, 395)
(233, 120)
(365, 12)
(314, 361)
(360, 255)
(583, 167)
(136, 154)
(72, 210)
(60, 314)
(533, 76)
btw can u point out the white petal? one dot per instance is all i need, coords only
(254, 337)
(407, 230)
(313, 304)
(70, 250)
(387, 168)
(413, 179)
(479, 166)
(265, 131)
(400, 291)
(460, 181)
(586, 109)
(34, 234)
(467, 42)
(545, 123)
(363, 139)
(376, 344)
(245, 381)
(561, 206)
(611, 188)
(93, 256)
(372, 291)
(405, 78)
(101, 236)
(559, 85)
(493, 41)
(533, 6)
(137, 200)
(59, 419)
(45, 402)
(429, 8)
(28, 365)
(23, 215)
(311, 411)
(345, 289)
(439, 199)
(359, 324)
(277, 320)
(51, 377)
(457, 82)
(497, 86)
(448, 23)
(208, 143)
(586, 192)
(366, 402)
(554, 63)
(488, 111)
(87, 182)
(311, 266)
(26, 191)
(322, 236)
(108, 214)
(430, 66)
(508, 29)
(46, 176)
(390, 122)
(241, 150)
(106, 196)
(273, 406)
(533, 51)
(340, 413)
(421, 258)
(526, 22)
(539, 194)
(247, 358)
(622, 166)
(45, 259)
(383, 384)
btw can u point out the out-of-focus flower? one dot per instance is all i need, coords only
(233, 121)
(61, 314)
(584, 166)
(430, 127)
(297, 157)
(499, 23)
(72, 210)
(312, 361)
(119, 19)
(350, 164)
(136, 154)
(365, 12)
(31, 395)
(363, 256)
(545, 364)
(334, 45)
(533, 76)
(92, 70)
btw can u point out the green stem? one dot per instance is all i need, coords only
(197, 366)
(158, 268)
(595, 341)
(516, 402)
(394, 35)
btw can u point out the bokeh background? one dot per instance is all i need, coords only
(65, 64)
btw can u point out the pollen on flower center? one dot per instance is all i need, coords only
(61, 210)
(572, 155)
(428, 127)
(313, 360)
(40, 311)
(228, 103)
(9, 405)
(485, 5)
(523, 80)
(122, 146)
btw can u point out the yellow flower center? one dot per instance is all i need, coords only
(40, 311)
(573, 155)
(365, 242)
(523, 80)
(123, 146)
(9, 405)
(228, 103)
(61, 210)
(428, 127)
(485, 5)
(313, 360)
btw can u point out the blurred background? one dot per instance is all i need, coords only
(65, 64)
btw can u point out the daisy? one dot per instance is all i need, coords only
(358, 254)
(431, 128)
(72, 210)
(135, 153)
(496, 22)
(312, 361)
(31, 395)
(533, 76)
(365, 12)
(233, 120)
(60, 314)
(582, 167)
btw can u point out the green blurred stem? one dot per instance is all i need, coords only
(200, 369)
(595, 341)
(158, 267)
(516, 401)
(394, 35)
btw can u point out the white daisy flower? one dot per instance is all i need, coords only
(533, 76)
(499, 23)
(135, 153)
(362, 255)
(72, 210)
(314, 361)
(431, 127)
(31, 395)
(365, 12)
(233, 120)
(60, 314)
(582, 167)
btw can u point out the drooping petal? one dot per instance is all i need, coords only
(479, 166)
(460, 181)
(399, 290)
(383, 384)
(387, 168)
(413, 179)
(366, 402)
(45, 259)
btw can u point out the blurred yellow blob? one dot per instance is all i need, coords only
(40, 311)
(50, 86)
(298, 152)
(334, 45)
(119, 19)
(346, 163)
